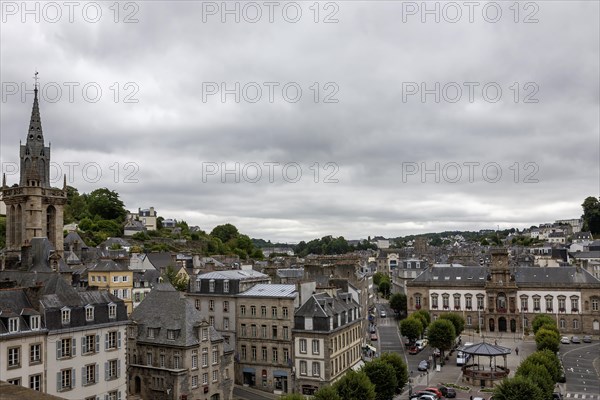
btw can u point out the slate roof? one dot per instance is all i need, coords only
(237, 274)
(323, 305)
(167, 309)
(73, 237)
(485, 349)
(271, 290)
(160, 260)
(586, 254)
(560, 275)
(14, 303)
(290, 272)
(107, 266)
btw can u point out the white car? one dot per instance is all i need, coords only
(382, 314)
(421, 344)
(565, 340)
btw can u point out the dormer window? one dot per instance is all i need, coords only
(112, 310)
(226, 286)
(204, 334)
(34, 322)
(65, 315)
(13, 324)
(211, 286)
(89, 313)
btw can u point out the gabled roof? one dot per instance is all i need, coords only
(73, 237)
(167, 309)
(107, 266)
(160, 260)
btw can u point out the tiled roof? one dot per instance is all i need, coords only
(271, 290)
(233, 275)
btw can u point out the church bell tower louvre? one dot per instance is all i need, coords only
(33, 207)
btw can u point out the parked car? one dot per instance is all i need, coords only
(447, 392)
(421, 344)
(462, 358)
(575, 339)
(557, 396)
(478, 398)
(565, 340)
(435, 390)
(423, 365)
(383, 314)
(587, 339)
(413, 350)
(373, 336)
(373, 329)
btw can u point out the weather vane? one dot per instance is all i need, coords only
(36, 78)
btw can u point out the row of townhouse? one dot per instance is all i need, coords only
(61, 341)
(280, 346)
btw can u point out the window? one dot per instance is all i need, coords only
(225, 323)
(112, 340)
(574, 303)
(418, 301)
(225, 306)
(285, 333)
(211, 286)
(65, 348)
(194, 381)
(253, 311)
(112, 369)
(242, 310)
(194, 359)
(316, 369)
(275, 355)
(480, 302)
(575, 324)
(35, 382)
(315, 346)
(457, 301)
(89, 374)
(302, 345)
(595, 304)
(536, 303)
(243, 332)
(226, 286)
(176, 361)
(115, 279)
(205, 357)
(302, 367)
(215, 376)
(112, 311)
(34, 322)
(285, 312)
(204, 334)
(152, 333)
(469, 301)
(162, 361)
(116, 293)
(274, 331)
(197, 304)
(549, 303)
(126, 293)
(13, 324)
(89, 313)
(148, 358)
(563, 323)
(263, 311)
(253, 350)
(469, 320)
(114, 395)
(125, 278)
(211, 320)
(65, 316)
(286, 355)
(446, 300)
(253, 328)
(172, 334)
(103, 278)
(14, 357)
(16, 382)
(211, 305)
(205, 378)
(35, 353)
(524, 300)
(89, 343)
(65, 379)
(243, 355)
(264, 354)
(215, 354)
(273, 312)
(434, 301)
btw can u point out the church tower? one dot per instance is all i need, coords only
(33, 208)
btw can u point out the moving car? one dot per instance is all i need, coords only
(383, 314)
(565, 340)
(423, 365)
(435, 390)
(413, 350)
(373, 336)
(587, 339)
(575, 339)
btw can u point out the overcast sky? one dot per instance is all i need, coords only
(358, 97)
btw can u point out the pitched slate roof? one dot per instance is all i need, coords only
(485, 349)
(167, 309)
(160, 260)
(14, 303)
(233, 275)
(271, 290)
(73, 237)
(107, 266)
(560, 275)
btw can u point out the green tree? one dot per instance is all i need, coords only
(441, 335)
(457, 320)
(549, 361)
(2, 232)
(591, 215)
(425, 316)
(384, 288)
(541, 320)
(398, 303)
(355, 386)
(378, 277)
(179, 282)
(518, 388)
(106, 204)
(327, 393)
(411, 327)
(383, 376)
(225, 232)
(547, 339)
(538, 375)
(396, 361)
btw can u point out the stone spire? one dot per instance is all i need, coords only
(35, 123)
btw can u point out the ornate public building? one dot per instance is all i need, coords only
(500, 298)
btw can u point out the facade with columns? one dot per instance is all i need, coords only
(33, 207)
(499, 298)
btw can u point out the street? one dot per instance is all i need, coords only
(583, 381)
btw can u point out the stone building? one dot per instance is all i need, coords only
(265, 319)
(173, 352)
(328, 337)
(214, 294)
(33, 207)
(500, 298)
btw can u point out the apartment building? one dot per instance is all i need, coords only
(116, 278)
